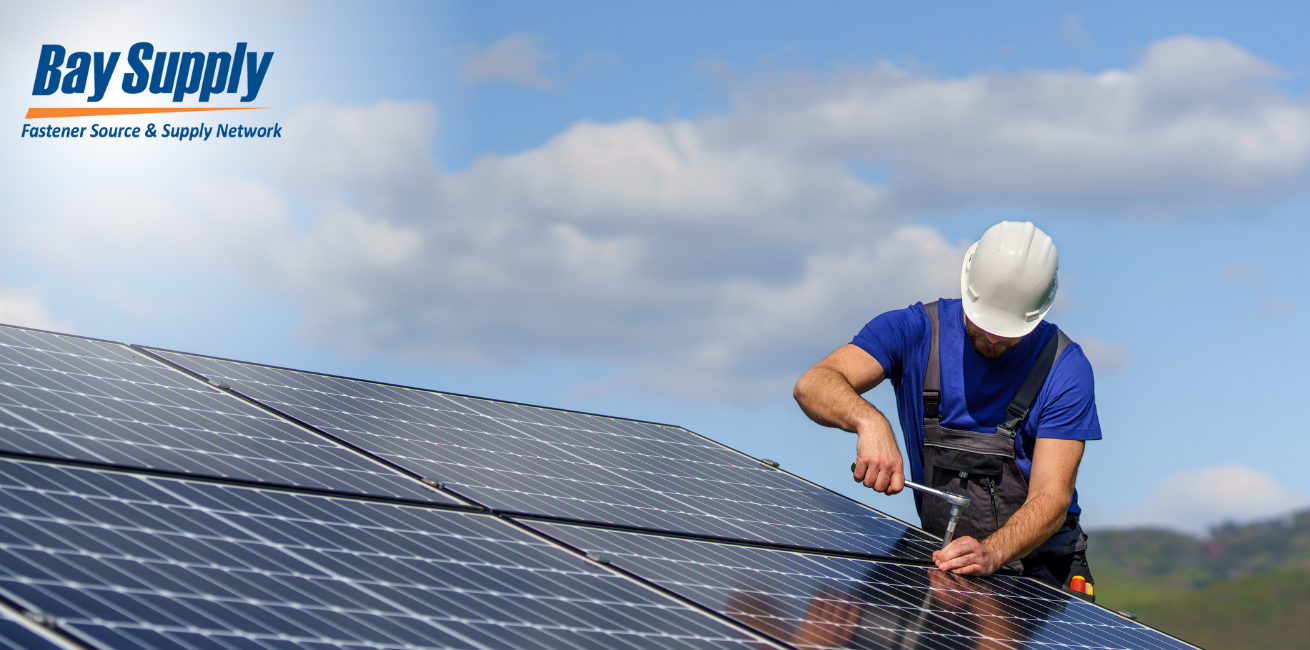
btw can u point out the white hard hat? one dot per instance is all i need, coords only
(1008, 281)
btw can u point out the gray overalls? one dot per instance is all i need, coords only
(982, 467)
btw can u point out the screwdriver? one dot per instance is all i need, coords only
(958, 503)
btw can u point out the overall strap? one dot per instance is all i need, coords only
(1018, 407)
(932, 377)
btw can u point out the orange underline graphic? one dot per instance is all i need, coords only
(41, 113)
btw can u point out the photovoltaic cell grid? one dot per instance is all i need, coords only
(816, 601)
(137, 562)
(540, 461)
(74, 398)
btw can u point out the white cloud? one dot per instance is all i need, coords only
(711, 258)
(1196, 122)
(1194, 501)
(26, 308)
(517, 58)
(383, 146)
(645, 172)
(73, 236)
(244, 227)
(770, 331)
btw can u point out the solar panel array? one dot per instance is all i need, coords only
(154, 499)
(81, 399)
(576, 466)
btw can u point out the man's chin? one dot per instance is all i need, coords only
(984, 347)
(988, 350)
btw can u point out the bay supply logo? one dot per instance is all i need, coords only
(181, 75)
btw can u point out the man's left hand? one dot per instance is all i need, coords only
(968, 557)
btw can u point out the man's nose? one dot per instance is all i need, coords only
(991, 338)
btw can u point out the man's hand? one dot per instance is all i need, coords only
(967, 556)
(878, 461)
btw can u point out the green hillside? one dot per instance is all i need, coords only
(1242, 587)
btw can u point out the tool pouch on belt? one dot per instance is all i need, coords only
(981, 466)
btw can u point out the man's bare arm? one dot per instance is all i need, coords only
(829, 393)
(1050, 489)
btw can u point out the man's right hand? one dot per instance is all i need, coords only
(830, 394)
(878, 461)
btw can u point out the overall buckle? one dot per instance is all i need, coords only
(932, 400)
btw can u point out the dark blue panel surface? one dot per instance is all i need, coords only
(136, 562)
(554, 463)
(82, 399)
(817, 601)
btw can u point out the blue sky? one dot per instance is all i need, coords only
(669, 211)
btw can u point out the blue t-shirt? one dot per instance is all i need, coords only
(976, 390)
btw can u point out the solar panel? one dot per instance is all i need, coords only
(132, 561)
(562, 464)
(818, 601)
(81, 399)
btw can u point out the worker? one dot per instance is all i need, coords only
(995, 403)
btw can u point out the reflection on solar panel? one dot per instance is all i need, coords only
(82, 399)
(817, 601)
(540, 461)
(139, 562)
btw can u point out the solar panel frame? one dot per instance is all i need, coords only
(209, 555)
(911, 543)
(92, 400)
(20, 631)
(773, 592)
